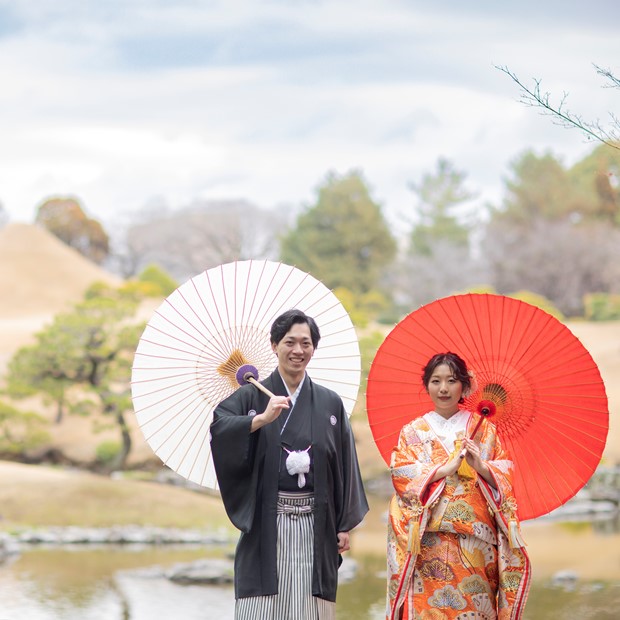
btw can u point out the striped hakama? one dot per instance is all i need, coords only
(294, 601)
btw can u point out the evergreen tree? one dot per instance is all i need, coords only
(82, 361)
(343, 239)
(439, 197)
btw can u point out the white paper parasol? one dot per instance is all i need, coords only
(191, 348)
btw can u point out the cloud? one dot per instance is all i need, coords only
(122, 102)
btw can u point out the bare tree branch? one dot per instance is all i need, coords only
(606, 73)
(535, 97)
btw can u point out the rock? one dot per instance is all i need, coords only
(8, 547)
(565, 579)
(203, 572)
(347, 570)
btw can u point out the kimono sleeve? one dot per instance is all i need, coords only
(412, 467)
(233, 447)
(499, 462)
(502, 500)
(414, 462)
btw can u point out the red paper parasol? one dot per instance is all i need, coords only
(551, 406)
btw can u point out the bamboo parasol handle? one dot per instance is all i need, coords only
(250, 379)
(486, 409)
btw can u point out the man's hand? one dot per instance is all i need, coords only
(343, 542)
(274, 408)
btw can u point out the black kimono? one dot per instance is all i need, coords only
(248, 464)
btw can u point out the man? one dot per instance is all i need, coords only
(289, 477)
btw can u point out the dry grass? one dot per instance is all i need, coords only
(576, 547)
(40, 275)
(602, 340)
(33, 495)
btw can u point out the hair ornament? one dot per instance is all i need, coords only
(473, 384)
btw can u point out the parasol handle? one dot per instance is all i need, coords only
(250, 379)
(486, 409)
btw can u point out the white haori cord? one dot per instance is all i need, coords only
(298, 463)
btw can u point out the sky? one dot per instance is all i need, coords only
(129, 104)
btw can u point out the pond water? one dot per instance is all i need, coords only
(126, 583)
(106, 583)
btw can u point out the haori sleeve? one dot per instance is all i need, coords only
(499, 462)
(233, 446)
(353, 504)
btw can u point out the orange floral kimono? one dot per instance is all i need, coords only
(454, 547)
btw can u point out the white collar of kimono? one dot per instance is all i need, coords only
(295, 394)
(450, 429)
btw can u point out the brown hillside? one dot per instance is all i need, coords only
(602, 340)
(39, 276)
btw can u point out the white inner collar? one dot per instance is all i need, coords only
(450, 429)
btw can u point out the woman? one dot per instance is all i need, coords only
(454, 547)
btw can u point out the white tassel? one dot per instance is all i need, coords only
(298, 462)
(515, 538)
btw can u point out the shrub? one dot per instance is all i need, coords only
(369, 345)
(539, 301)
(139, 290)
(363, 307)
(20, 431)
(107, 452)
(482, 289)
(154, 274)
(602, 306)
(349, 300)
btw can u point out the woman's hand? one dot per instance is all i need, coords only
(471, 450)
(274, 408)
(448, 468)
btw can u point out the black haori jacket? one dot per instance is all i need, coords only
(247, 465)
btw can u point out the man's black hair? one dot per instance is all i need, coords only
(282, 325)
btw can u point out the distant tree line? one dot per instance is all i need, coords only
(556, 233)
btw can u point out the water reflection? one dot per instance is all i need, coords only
(126, 583)
(147, 599)
(106, 583)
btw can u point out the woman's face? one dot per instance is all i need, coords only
(445, 390)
